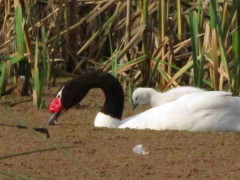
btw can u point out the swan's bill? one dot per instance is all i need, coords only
(53, 119)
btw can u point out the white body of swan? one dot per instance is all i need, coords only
(200, 111)
(155, 98)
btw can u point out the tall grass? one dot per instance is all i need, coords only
(147, 42)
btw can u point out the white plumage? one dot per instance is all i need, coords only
(200, 111)
(155, 98)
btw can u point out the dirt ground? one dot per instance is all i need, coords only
(76, 150)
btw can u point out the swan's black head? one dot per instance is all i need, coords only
(75, 90)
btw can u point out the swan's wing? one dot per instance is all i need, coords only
(204, 100)
(172, 95)
(198, 111)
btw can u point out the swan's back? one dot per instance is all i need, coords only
(158, 99)
(214, 110)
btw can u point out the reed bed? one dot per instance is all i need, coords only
(157, 43)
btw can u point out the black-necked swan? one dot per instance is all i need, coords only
(212, 111)
(155, 98)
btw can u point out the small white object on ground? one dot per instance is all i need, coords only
(140, 149)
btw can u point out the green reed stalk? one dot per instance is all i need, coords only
(193, 23)
(236, 54)
(3, 80)
(224, 15)
(20, 43)
(23, 68)
(179, 19)
(45, 74)
(37, 88)
(19, 28)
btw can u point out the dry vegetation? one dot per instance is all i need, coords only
(143, 42)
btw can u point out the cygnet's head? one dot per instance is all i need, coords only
(142, 96)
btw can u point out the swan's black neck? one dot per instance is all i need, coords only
(75, 90)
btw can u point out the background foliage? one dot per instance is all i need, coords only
(158, 43)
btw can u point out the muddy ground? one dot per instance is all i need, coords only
(85, 152)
